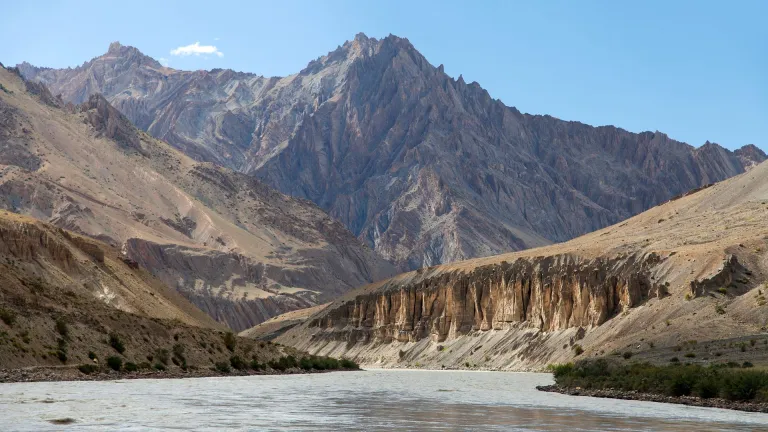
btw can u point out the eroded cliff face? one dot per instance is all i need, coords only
(541, 293)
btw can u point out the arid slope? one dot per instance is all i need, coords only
(670, 281)
(236, 248)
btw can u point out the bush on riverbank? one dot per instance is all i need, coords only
(730, 383)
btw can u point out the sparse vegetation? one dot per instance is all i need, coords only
(116, 343)
(577, 350)
(230, 341)
(722, 290)
(720, 310)
(627, 355)
(162, 356)
(115, 362)
(222, 367)
(91, 355)
(62, 328)
(237, 363)
(284, 363)
(731, 383)
(690, 355)
(688, 297)
(7, 316)
(131, 367)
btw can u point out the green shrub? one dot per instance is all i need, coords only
(255, 365)
(115, 362)
(88, 368)
(144, 365)
(62, 328)
(7, 316)
(722, 290)
(162, 356)
(178, 351)
(61, 355)
(744, 385)
(131, 367)
(627, 355)
(690, 355)
(116, 343)
(91, 355)
(222, 367)
(289, 362)
(237, 363)
(733, 383)
(348, 364)
(159, 366)
(577, 350)
(230, 341)
(707, 386)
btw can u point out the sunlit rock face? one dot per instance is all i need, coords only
(424, 168)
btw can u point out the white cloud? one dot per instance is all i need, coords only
(164, 61)
(196, 49)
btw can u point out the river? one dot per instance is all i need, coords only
(374, 400)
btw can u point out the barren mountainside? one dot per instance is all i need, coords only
(688, 277)
(423, 168)
(236, 248)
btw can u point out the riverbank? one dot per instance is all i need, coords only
(66, 373)
(761, 407)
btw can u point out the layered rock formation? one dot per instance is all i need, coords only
(68, 301)
(237, 248)
(690, 271)
(423, 168)
(546, 293)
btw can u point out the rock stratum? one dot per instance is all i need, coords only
(236, 248)
(423, 168)
(686, 277)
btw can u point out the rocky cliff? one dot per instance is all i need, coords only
(224, 239)
(545, 293)
(424, 168)
(689, 272)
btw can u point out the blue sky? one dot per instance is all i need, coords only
(697, 70)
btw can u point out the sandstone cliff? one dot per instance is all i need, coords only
(235, 247)
(424, 168)
(689, 272)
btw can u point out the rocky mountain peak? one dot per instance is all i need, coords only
(114, 47)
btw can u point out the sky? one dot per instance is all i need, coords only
(695, 70)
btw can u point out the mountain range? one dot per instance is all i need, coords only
(423, 168)
(234, 247)
(681, 282)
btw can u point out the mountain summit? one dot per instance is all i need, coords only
(424, 168)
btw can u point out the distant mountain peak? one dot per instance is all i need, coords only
(114, 47)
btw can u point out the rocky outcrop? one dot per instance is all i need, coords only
(731, 274)
(111, 123)
(229, 287)
(543, 293)
(424, 168)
